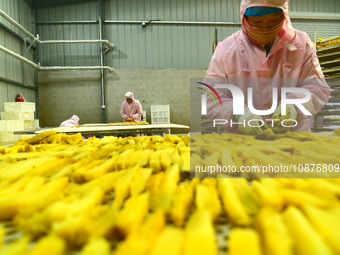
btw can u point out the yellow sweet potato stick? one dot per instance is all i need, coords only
(306, 239)
(155, 161)
(123, 160)
(17, 170)
(100, 170)
(103, 225)
(207, 198)
(52, 245)
(176, 158)
(167, 188)
(139, 180)
(65, 209)
(232, 204)
(299, 198)
(244, 242)
(43, 196)
(186, 161)
(182, 200)
(335, 211)
(129, 217)
(267, 195)
(96, 246)
(162, 192)
(276, 239)
(2, 234)
(122, 187)
(165, 158)
(169, 242)
(143, 239)
(249, 199)
(199, 236)
(323, 185)
(144, 157)
(326, 224)
(17, 247)
(226, 158)
(105, 182)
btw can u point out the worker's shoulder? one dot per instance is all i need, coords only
(301, 38)
(231, 42)
(300, 33)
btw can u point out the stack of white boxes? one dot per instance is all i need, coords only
(18, 116)
(160, 114)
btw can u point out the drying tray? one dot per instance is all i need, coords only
(110, 129)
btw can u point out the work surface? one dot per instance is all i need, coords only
(113, 129)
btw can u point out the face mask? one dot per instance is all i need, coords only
(261, 36)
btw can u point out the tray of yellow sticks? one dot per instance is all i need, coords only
(61, 195)
(119, 128)
(126, 123)
(323, 44)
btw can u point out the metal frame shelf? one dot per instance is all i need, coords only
(329, 56)
(36, 39)
(31, 39)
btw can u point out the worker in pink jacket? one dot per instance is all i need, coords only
(71, 122)
(266, 53)
(131, 108)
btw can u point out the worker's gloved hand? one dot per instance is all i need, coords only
(256, 127)
(290, 116)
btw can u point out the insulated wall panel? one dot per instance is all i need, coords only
(80, 54)
(175, 44)
(16, 76)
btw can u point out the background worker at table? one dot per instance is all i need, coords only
(266, 53)
(131, 108)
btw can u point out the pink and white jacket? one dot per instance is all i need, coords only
(71, 122)
(133, 110)
(292, 62)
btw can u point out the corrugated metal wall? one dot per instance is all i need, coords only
(157, 45)
(167, 46)
(323, 28)
(69, 54)
(14, 74)
(325, 6)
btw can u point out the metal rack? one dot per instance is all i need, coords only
(328, 53)
(31, 39)
(37, 40)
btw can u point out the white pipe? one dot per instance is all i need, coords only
(146, 22)
(12, 53)
(58, 68)
(55, 68)
(27, 61)
(67, 22)
(111, 45)
(29, 34)
(13, 22)
(292, 15)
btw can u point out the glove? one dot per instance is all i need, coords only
(257, 122)
(290, 114)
